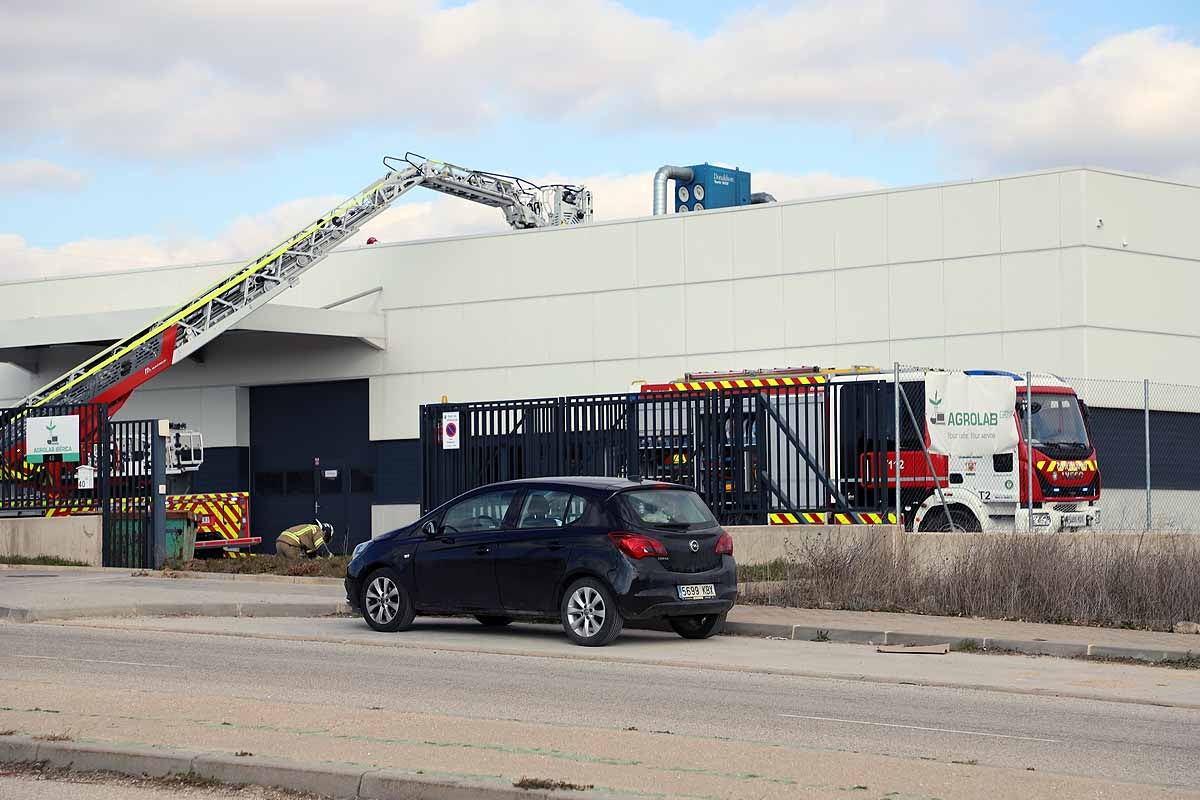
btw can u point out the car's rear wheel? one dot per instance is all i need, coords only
(385, 603)
(699, 626)
(589, 613)
(492, 621)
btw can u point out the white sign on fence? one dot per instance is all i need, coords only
(85, 477)
(450, 432)
(51, 439)
(970, 415)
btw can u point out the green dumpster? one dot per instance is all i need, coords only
(181, 536)
(127, 540)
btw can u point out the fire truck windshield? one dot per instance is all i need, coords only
(1056, 420)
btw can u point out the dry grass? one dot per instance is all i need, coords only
(1064, 579)
(41, 561)
(551, 785)
(269, 565)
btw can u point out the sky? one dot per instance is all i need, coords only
(150, 133)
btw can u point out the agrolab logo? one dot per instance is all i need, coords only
(960, 419)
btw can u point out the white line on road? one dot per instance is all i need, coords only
(96, 661)
(920, 728)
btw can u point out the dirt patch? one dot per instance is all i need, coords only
(188, 785)
(334, 567)
(548, 784)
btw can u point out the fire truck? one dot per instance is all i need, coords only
(820, 445)
(107, 379)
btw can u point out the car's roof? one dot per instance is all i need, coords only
(586, 482)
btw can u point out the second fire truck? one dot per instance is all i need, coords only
(819, 445)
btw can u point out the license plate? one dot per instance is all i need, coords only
(1077, 519)
(698, 591)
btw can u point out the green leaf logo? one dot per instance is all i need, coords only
(50, 426)
(935, 400)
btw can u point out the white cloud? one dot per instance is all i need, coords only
(430, 216)
(1132, 100)
(205, 78)
(36, 175)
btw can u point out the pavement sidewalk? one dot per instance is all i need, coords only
(30, 594)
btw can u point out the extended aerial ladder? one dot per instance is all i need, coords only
(110, 376)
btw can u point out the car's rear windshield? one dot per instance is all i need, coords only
(668, 507)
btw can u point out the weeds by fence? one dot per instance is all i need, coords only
(1083, 580)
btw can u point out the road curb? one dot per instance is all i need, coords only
(217, 609)
(811, 633)
(334, 780)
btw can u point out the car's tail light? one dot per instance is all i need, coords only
(635, 545)
(725, 544)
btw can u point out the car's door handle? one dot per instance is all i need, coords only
(482, 550)
(555, 546)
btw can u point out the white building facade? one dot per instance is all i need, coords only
(1082, 272)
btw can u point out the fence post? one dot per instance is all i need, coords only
(633, 467)
(1146, 422)
(1029, 446)
(158, 472)
(896, 437)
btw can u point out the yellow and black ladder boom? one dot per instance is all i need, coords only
(111, 375)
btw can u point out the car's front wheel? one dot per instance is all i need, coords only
(699, 626)
(385, 603)
(589, 613)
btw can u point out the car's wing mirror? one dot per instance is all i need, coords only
(430, 530)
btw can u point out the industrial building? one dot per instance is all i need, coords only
(1083, 272)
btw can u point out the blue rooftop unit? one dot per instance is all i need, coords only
(712, 187)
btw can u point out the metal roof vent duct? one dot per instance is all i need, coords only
(668, 173)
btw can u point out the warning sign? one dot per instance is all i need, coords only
(450, 432)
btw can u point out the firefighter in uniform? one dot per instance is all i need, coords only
(303, 541)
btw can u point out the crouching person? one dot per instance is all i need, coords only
(304, 541)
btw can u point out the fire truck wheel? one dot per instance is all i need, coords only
(937, 521)
(385, 603)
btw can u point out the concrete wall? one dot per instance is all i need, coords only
(387, 518)
(762, 544)
(76, 538)
(1014, 272)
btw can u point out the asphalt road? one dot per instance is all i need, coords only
(1126, 742)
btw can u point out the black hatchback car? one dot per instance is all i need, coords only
(593, 552)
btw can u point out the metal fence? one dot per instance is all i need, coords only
(750, 452)
(28, 488)
(1147, 438)
(114, 477)
(775, 453)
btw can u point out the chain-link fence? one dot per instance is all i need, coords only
(1146, 435)
(1094, 454)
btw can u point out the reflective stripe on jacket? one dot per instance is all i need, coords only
(308, 537)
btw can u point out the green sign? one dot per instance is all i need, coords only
(51, 439)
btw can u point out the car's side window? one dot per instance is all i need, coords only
(575, 509)
(550, 508)
(482, 512)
